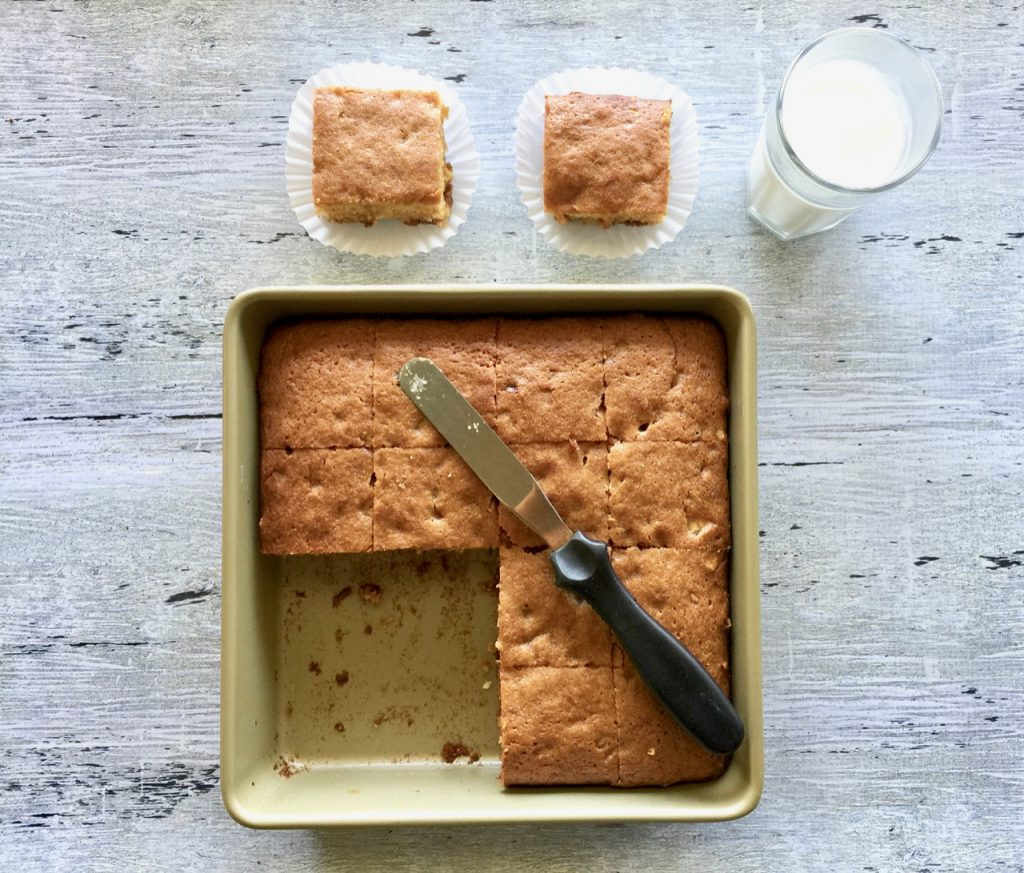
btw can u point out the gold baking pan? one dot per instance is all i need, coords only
(342, 704)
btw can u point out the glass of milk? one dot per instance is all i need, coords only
(858, 112)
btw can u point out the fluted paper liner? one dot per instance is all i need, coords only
(617, 241)
(387, 238)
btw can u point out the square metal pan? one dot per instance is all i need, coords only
(372, 785)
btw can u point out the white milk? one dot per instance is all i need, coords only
(773, 203)
(846, 124)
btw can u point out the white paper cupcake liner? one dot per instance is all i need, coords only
(618, 241)
(386, 238)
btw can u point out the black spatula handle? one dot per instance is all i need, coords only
(675, 676)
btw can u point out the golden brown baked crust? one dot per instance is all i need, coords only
(574, 476)
(558, 726)
(686, 591)
(550, 378)
(665, 379)
(668, 494)
(622, 419)
(315, 385)
(539, 624)
(539, 627)
(606, 158)
(315, 501)
(464, 350)
(380, 154)
(427, 498)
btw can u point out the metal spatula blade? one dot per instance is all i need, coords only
(482, 449)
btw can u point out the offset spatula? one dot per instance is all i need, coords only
(581, 564)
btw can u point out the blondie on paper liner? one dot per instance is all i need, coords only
(617, 241)
(386, 238)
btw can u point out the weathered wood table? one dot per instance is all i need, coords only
(141, 188)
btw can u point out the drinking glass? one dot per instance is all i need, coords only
(784, 192)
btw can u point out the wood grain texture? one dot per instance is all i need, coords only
(141, 171)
